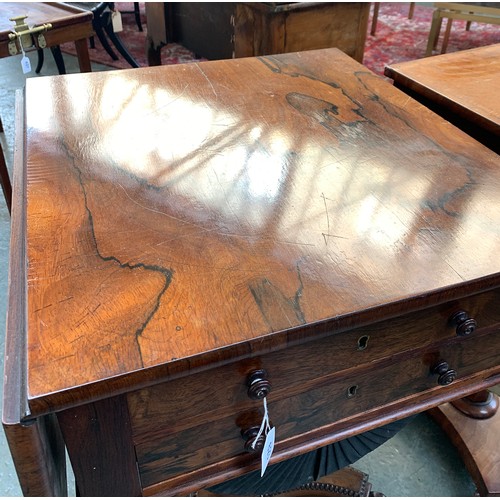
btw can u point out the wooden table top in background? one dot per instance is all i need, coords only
(184, 215)
(466, 83)
(69, 24)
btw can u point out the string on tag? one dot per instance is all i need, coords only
(269, 432)
(25, 62)
(264, 426)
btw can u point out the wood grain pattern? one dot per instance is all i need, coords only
(461, 86)
(98, 438)
(477, 442)
(35, 444)
(164, 408)
(193, 211)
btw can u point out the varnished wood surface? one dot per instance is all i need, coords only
(182, 217)
(465, 82)
(477, 441)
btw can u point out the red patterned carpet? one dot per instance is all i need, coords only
(397, 38)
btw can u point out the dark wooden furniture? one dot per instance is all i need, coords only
(294, 213)
(222, 30)
(69, 24)
(462, 87)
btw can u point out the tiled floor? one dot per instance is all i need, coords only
(419, 461)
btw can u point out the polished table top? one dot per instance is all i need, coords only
(181, 215)
(465, 82)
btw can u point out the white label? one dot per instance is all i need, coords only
(267, 451)
(116, 19)
(25, 64)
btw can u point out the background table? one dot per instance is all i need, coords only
(189, 228)
(462, 87)
(68, 24)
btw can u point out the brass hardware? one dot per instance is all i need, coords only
(22, 34)
(463, 323)
(446, 375)
(258, 385)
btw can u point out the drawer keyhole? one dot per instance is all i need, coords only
(363, 342)
(352, 391)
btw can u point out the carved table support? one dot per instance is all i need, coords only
(473, 425)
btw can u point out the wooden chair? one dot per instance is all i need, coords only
(103, 28)
(376, 8)
(465, 12)
(4, 176)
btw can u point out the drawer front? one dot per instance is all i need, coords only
(207, 396)
(170, 451)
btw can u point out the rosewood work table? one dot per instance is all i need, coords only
(187, 240)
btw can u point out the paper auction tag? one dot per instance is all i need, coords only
(267, 451)
(116, 19)
(25, 64)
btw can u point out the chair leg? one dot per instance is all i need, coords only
(104, 42)
(137, 13)
(58, 58)
(412, 10)
(434, 32)
(40, 61)
(5, 180)
(108, 27)
(376, 8)
(446, 36)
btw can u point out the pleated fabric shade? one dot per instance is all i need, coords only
(311, 466)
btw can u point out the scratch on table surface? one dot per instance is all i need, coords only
(149, 209)
(327, 219)
(207, 79)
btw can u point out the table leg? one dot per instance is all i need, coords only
(82, 52)
(477, 439)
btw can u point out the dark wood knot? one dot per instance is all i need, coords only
(258, 385)
(464, 325)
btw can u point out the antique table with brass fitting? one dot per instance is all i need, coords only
(191, 241)
(31, 26)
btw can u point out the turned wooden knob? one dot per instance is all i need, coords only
(446, 375)
(249, 436)
(463, 324)
(258, 385)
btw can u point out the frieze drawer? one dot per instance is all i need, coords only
(305, 366)
(172, 446)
